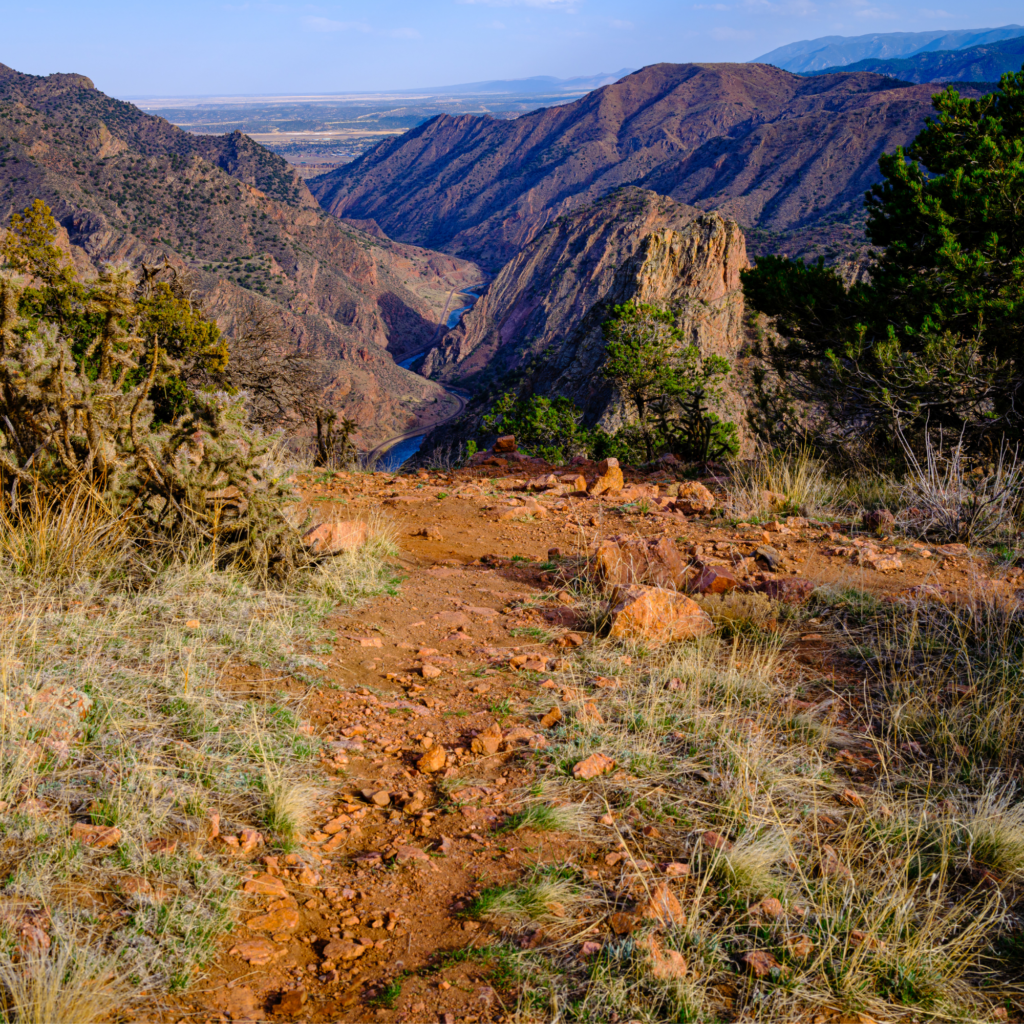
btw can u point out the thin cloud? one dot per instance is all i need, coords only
(548, 4)
(328, 25)
(625, 26)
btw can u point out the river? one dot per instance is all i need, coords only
(393, 458)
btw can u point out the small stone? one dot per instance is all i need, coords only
(768, 907)
(879, 522)
(488, 741)
(694, 499)
(666, 964)
(330, 538)
(759, 963)
(622, 924)
(433, 760)
(411, 854)
(677, 869)
(505, 444)
(799, 946)
(258, 952)
(192, 624)
(429, 671)
(591, 767)
(715, 579)
(344, 949)
(713, 841)
(663, 907)
(382, 798)
(445, 846)
(553, 717)
(238, 1003)
(284, 920)
(265, 885)
(851, 798)
(292, 1001)
(98, 837)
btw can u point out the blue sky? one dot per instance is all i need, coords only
(190, 47)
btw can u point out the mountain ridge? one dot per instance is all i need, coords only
(776, 151)
(837, 51)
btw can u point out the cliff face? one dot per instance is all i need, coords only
(763, 146)
(128, 186)
(543, 312)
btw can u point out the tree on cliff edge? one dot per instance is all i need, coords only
(936, 336)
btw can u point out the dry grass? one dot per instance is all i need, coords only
(794, 481)
(115, 710)
(879, 910)
(70, 986)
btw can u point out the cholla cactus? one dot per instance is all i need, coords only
(88, 422)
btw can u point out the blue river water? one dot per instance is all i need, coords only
(396, 455)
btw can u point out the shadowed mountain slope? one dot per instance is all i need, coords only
(771, 149)
(125, 185)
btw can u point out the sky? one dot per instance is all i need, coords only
(204, 47)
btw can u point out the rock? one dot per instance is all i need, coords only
(505, 444)
(285, 919)
(330, 538)
(694, 499)
(543, 483)
(656, 615)
(663, 907)
(382, 798)
(591, 767)
(666, 964)
(192, 624)
(789, 590)
(851, 798)
(759, 963)
(768, 907)
(265, 885)
(99, 837)
(291, 1001)
(877, 560)
(430, 533)
(258, 952)
(622, 924)
(715, 579)
(429, 671)
(879, 522)
(573, 483)
(611, 480)
(238, 1003)
(433, 760)
(799, 946)
(676, 869)
(344, 949)
(553, 717)
(768, 557)
(713, 841)
(628, 559)
(488, 741)
(445, 846)
(411, 854)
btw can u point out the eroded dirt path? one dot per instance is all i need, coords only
(360, 920)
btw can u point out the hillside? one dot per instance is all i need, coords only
(829, 52)
(538, 325)
(127, 185)
(975, 64)
(774, 151)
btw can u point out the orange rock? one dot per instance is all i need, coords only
(285, 919)
(611, 480)
(625, 560)
(343, 949)
(656, 615)
(505, 444)
(99, 837)
(759, 963)
(715, 579)
(851, 798)
(330, 538)
(265, 885)
(591, 767)
(553, 717)
(663, 906)
(666, 964)
(433, 760)
(694, 499)
(488, 741)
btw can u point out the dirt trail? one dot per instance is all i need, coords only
(353, 923)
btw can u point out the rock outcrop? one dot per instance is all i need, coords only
(543, 312)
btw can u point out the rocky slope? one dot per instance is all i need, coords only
(540, 319)
(768, 148)
(126, 185)
(975, 64)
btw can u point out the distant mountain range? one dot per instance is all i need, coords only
(538, 85)
(775, 151)
(841, 51)
(974, 64)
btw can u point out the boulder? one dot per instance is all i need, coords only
(880, 521)
(628, 559)
(694, 499)
(505, 444)
(715, 579)
(610, 481)
(656, 615)
(331, 538)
